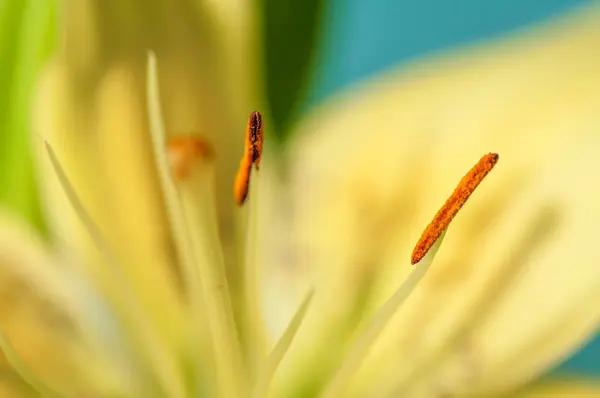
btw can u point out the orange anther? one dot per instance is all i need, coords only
(444, 216)
(183, 151)
(252, 152)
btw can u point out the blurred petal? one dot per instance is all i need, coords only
(10, 387)
(515, 286)
(91, 106)
(39, 318)
(66, 119)
(560, 389)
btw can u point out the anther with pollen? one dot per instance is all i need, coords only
(444, 216)
(183, 151)
(253, 145)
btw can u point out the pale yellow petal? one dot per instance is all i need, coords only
(42, 321)
(559, 389)
(515, 285)
(91, 107)
(134, 215)
(12, 387)
(67, 123)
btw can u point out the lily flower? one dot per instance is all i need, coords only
(175, 273)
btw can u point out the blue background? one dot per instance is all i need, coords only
(362, 37)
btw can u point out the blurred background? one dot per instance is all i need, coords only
(337, 43)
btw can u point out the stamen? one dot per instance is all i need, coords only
(360, 347)
(183, 151)
(199, 213)
(182, 154)
(444, 216)
(252, 325)
(253, 146)
(263, 381)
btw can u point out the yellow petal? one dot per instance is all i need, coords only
(559, 389)
(41, 321)
(65, 118)
(10, 387)
(515, 285)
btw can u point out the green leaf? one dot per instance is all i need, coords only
(290, 32)
(27, 32)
